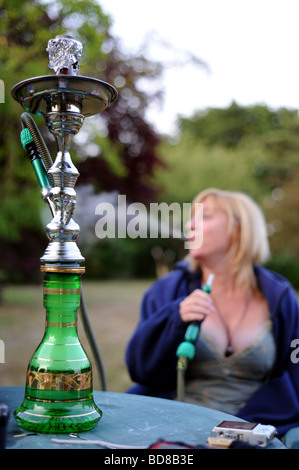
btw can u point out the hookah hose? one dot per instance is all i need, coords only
(28, 122)
(41, 160)
(92, 342)
(186, 350)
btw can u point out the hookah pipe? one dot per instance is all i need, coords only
(59, 381)
(41, 161)
(186, 350)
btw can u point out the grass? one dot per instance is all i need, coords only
(113, 310)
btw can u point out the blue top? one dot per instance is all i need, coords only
(151, 353)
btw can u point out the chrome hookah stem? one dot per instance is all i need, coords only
(63, 123)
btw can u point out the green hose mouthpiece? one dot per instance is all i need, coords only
(186, 349)
(26, 138)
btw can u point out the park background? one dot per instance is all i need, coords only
(250, 147)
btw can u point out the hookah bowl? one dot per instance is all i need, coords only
(59, 391)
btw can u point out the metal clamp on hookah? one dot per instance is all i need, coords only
(37, 162)
(186, 350)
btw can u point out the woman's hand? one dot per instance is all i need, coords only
(196, 306)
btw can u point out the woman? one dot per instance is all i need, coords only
(242, 363)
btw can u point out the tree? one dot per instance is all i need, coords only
(252, 149)
(126, 143)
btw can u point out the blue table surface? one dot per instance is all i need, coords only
(128, 420)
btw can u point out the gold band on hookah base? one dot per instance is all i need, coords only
(45, 359)
(61, 291)
(45, 400)
(61, 324)
(49, 281)
(62, 417)
(63, 269)
(58, 382)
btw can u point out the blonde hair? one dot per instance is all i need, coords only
(247, 231)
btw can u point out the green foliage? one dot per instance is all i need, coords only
(192, 167)
(228, 126)
(252, 149)
(286, 265)
(25, 29)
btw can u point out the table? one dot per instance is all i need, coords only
(128, 420)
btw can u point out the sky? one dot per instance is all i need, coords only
(251, 49)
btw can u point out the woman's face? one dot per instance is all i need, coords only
(213, 226)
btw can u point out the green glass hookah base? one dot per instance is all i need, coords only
(59, 395)
(54, 418)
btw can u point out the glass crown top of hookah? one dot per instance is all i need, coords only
(65, 92)
(64, 54)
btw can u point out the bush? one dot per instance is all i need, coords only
(287, 266)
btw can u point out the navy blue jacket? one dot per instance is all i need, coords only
(151, 352)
